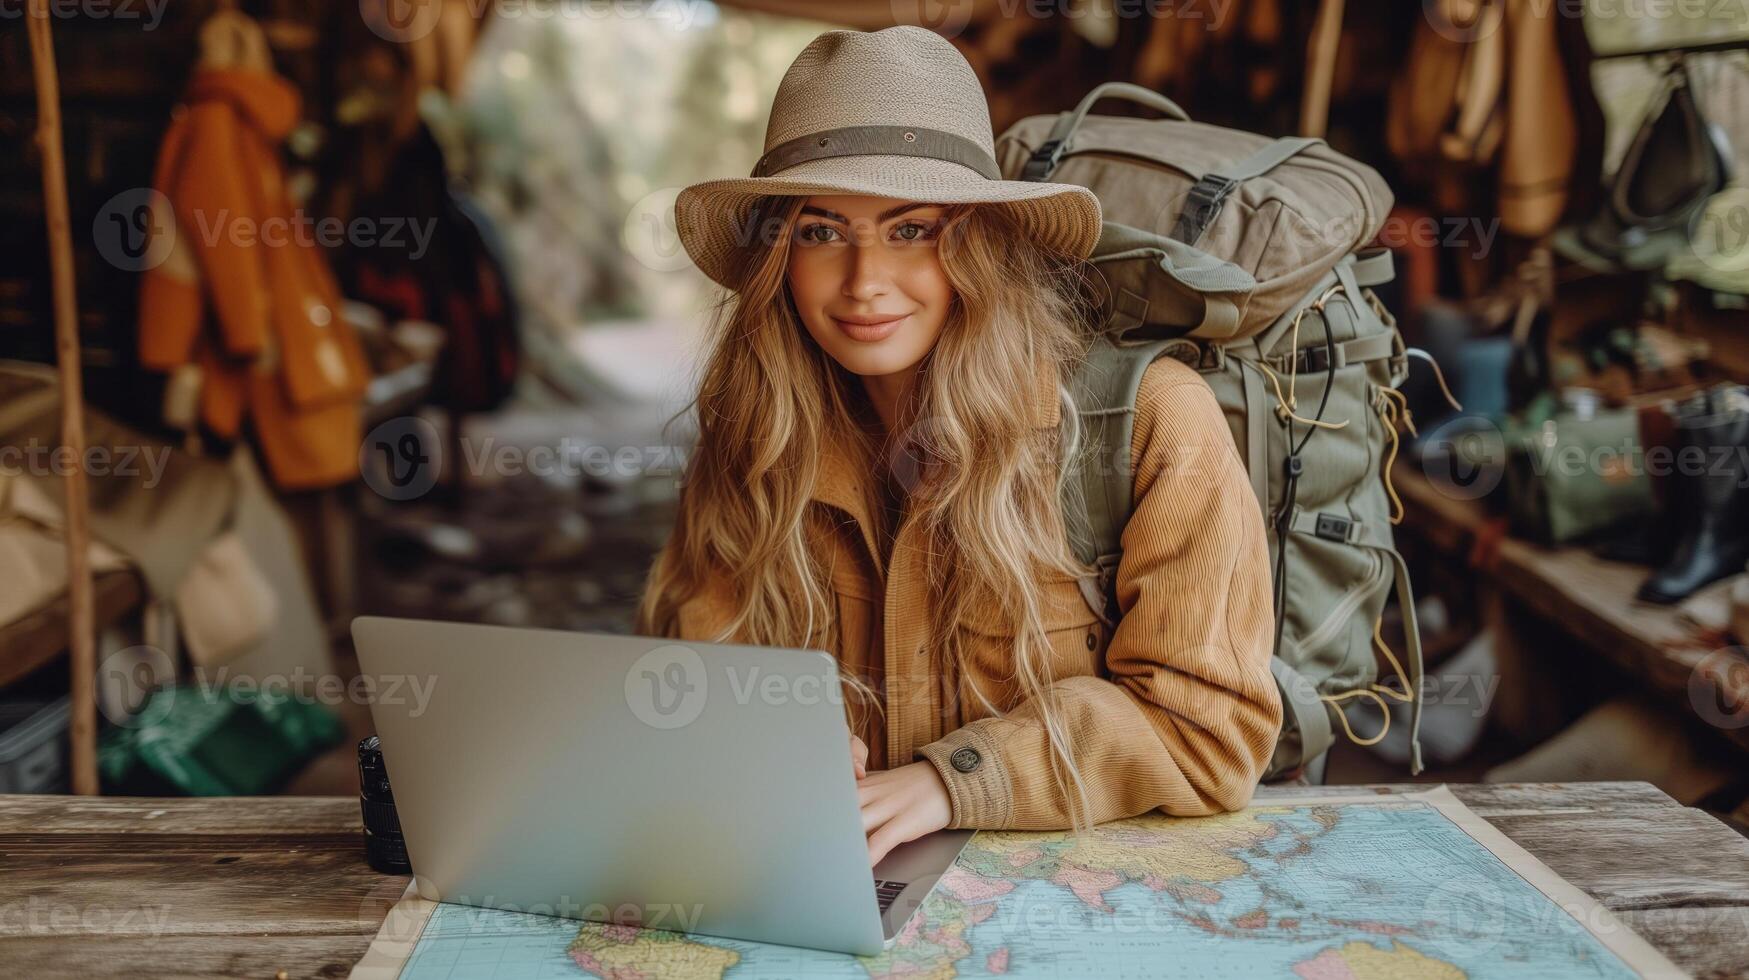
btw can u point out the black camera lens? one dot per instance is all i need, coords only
(384, 847)
(387, 855)
(373, 779)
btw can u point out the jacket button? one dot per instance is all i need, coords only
(1092, 639)
(965, 759)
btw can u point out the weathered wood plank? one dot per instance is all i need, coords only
(192, 957)
(305, 892)
(211, 815)
(1711, 943)
(1488, 799)
(1681, 858)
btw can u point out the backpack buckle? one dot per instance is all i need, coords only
(1043, 160)
(1330, 527)
(1316, 360)
(1204, 358)
(1202, 205)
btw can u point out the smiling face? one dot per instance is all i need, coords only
(867, 280)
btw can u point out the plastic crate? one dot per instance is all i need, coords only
(193, 743)
(33, 746)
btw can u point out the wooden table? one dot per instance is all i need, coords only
(248, 887)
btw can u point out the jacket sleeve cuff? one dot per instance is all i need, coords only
(977, 780)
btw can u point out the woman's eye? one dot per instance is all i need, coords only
(914, 231)
(818, 234)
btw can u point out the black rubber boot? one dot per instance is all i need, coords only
(1712, 498)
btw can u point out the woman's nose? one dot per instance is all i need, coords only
(867, 276)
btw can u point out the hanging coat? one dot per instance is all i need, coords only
(246, 292)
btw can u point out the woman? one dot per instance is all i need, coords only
(883, 423)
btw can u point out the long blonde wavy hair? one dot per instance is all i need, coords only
(987, 502)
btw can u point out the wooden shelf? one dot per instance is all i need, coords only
(1593, 601)
(40, 636)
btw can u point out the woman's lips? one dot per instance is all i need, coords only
(868, 333)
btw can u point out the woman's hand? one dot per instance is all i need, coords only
(901, 804)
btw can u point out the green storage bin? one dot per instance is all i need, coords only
(200, 743)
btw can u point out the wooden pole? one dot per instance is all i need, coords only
(1321, 51)
(81, 628)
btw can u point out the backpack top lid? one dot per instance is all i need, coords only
(1283, 212)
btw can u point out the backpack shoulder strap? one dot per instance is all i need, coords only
(1097, 488)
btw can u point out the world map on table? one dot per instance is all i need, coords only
(1336, 890)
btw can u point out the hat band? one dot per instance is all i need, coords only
(909, 141)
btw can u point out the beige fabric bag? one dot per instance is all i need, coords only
(32, 551)
(224, 604)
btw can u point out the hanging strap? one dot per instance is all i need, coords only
(1300, 702)
(1104, 386)
(1203, 204)
(1257, 410)
(1374, 268)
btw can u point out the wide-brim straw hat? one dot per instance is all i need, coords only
(891, 113)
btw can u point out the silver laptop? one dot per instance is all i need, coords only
(702, 788)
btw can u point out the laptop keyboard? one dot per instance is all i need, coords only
(886, 892)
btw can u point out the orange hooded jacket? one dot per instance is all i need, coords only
(244, 290)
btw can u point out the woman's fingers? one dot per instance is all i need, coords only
(879, 810)
(859, 756)
(890, 835)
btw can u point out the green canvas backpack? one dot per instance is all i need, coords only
(1239, 255)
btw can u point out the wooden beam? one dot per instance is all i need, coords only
(81, 605)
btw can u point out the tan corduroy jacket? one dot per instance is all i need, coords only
(1173, 709)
